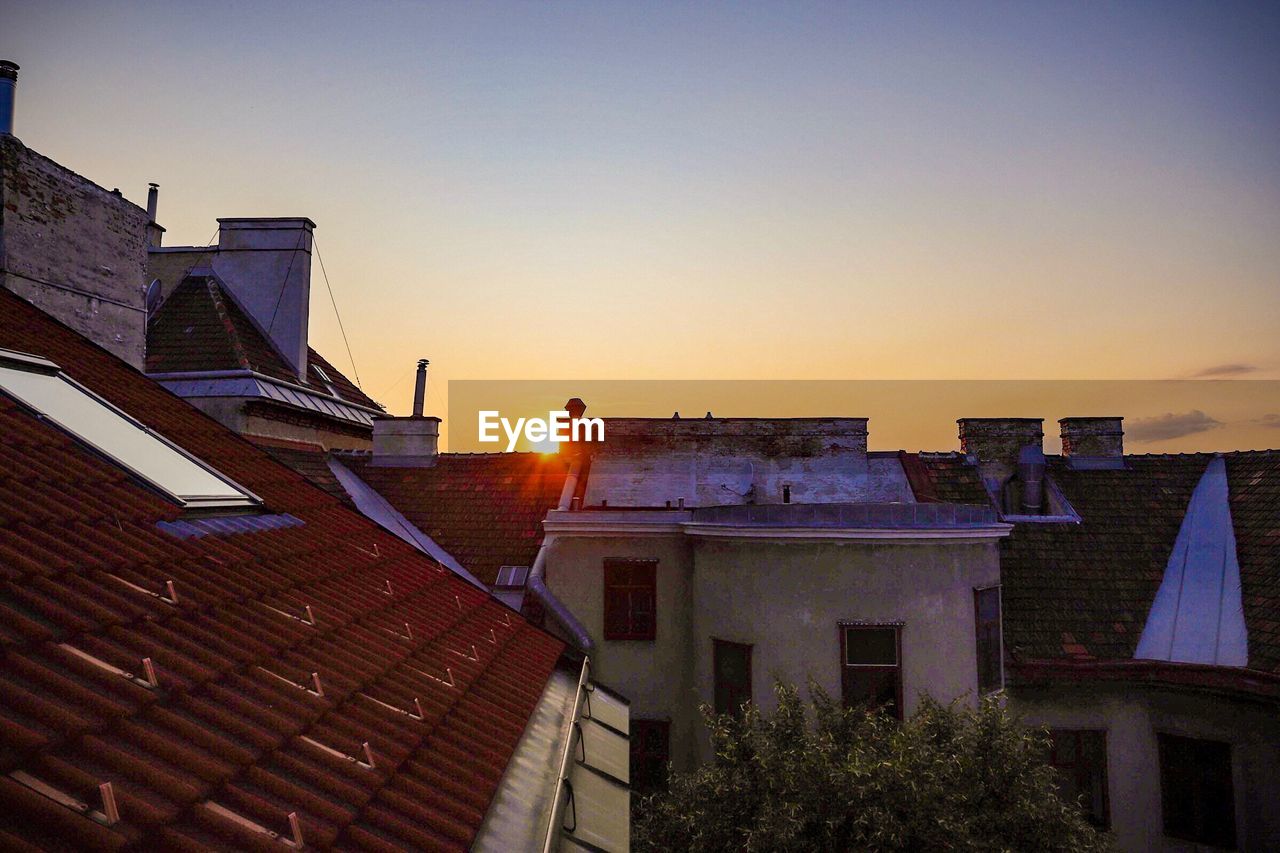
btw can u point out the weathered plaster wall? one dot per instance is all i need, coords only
(74, 249)
(656, 676)
(786, 600)
(712, 462)
(1132, 716)
(239, 415)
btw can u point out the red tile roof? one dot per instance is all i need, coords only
(200, 328)
(1081, 593)
(231, 722)
(485, 509)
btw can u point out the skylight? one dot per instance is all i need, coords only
(41, 385)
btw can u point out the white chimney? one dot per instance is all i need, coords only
(411, 442)
(266, 264)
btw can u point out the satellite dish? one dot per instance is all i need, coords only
(153, 296)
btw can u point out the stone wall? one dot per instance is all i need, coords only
(73, 249)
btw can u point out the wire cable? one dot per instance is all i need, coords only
(337, 313)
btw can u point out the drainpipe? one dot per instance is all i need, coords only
(537, 574)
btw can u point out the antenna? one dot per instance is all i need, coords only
(153, 297)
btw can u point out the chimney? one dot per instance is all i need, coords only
(1093, 442)
(8, 90)
(576, 409)
(411, 442)
(420, 388)
(998, 442)
(266, 265)
(155, 233)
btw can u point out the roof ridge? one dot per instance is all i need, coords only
(219, 305)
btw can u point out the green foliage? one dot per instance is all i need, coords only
(823, 777)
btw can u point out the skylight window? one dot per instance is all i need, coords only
(40, 385)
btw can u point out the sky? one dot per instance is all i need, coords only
(709, 191)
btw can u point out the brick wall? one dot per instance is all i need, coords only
(74, 249)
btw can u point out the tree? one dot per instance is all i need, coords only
(825, 777)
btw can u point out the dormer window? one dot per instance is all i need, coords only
(41, 386)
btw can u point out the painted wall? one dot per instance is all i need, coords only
(787, 600)
(656, 676)
(73, 249)
(1132, 717)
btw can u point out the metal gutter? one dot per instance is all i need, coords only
(261, 377)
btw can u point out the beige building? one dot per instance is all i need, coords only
(708, 558)
(1129, 604)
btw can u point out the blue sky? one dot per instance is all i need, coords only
(628, 190)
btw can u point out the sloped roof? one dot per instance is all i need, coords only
(232, 737)
(199, 327)
(309, 460)
(486, 509)
(1082, 593)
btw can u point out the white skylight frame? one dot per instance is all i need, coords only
(42, 386)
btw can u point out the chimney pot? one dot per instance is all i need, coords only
(8, 93)
(420, 388)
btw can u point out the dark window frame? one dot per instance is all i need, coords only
(1173, 818)
(650, 753)
(627, 585)
(1078, 766)
(731, 692)
(984, 643)
(847, 670)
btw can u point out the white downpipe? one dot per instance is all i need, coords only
(537, 574)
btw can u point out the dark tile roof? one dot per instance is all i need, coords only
(1254, 483)
(486, 509)
(1082, 592)
(199, 328)
(80, 553)
(309, 460)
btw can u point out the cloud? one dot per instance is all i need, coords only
(1170, 425)
(1271, 420)
(1221, 370)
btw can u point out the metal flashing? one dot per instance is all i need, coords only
(1198, 614)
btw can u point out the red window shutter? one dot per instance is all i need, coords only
(630, 599)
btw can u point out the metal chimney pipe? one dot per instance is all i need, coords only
(420, 390)
(153, 200)
(8, 88)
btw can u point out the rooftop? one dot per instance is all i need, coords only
(222, 682)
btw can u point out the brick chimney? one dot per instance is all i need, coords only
(266, 264)
(998, 442)
(411, 442)
(1093, 442)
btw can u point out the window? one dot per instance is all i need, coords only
(871, 671)
(986, 617)
(1196, 792)
(650, 754)
(512, 576)
(41, 386)
(630, 594)
(732, 663)
(1080, 757)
